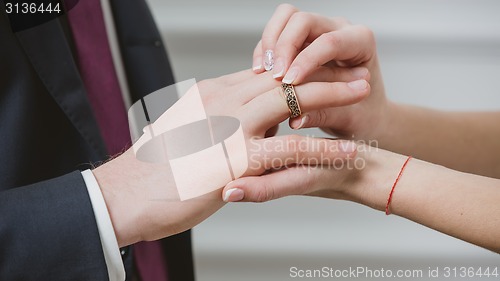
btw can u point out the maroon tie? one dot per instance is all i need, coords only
(98, 74)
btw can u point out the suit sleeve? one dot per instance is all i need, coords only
(48, 231)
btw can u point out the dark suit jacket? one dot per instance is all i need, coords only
(48, 133)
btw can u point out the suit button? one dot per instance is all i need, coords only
(124, 252)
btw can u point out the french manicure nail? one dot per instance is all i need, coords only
(268, 60)
(303, 121)
(257, 63)
(358, 85)
(279, 67)
(233, 195)
(348, 146)
(298, 123)
(290, 76)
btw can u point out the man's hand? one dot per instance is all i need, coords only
(142, 198)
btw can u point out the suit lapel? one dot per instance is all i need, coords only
(48, 50)
(144, 58)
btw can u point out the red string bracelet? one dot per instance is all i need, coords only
(387, 212)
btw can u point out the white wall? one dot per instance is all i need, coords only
(442, 54)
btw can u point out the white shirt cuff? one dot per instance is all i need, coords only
(112, 256)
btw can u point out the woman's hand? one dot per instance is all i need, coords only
(303, 43)
(363, 178)
(461, 205)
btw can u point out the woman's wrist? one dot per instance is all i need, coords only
(371, 183)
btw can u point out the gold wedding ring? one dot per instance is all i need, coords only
(291, 100)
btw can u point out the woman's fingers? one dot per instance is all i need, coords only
(298, 164)
(257, 58)
(272, 32)
(293, 159)
(338, 74)
(291, 40)
(270, 108)
(351, 45)
(292, 181)
(291, 150)
(294, 44)
(316, 118)
(258, 101)
(247, 85)
(302, 29)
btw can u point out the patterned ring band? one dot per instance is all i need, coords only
(291, 100)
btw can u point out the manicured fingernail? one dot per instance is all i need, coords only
(257, 63)
(298, 123)
(279, 68)
(234, 195)
(268, 60)
(358, 85)
(359, 72)
(348, 146)
(290, 76)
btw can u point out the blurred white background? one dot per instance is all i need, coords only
(441, 54)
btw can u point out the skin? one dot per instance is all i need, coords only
(306, 42)
(452, 196)
(459, 204)
(141, 197)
